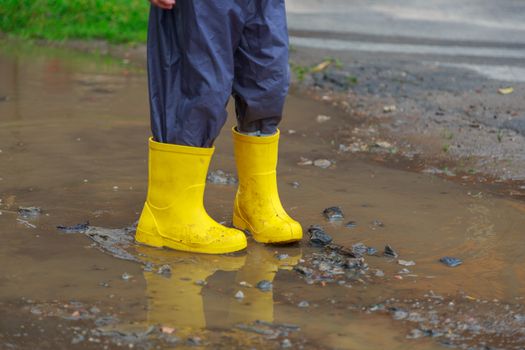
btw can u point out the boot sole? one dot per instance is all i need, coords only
(241, 224)
(157, 241)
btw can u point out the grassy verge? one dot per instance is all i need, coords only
(117, 21)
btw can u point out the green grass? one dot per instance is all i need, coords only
(117, 21)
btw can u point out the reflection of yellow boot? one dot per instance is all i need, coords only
(174, 214)
(261, 264)
(257, 206)
(177, 301)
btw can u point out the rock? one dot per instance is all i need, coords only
(379, 273)
(390, 252)
(286, 343)
(295, 184)
(322, 118)
(164, 270)
(351, 224)
(389, 108)
(371, 251)
(239, 295)
(399, 314)
(318, 237)
(415, 334)
(200, 282)
(264, 285)
(406, 262)
(78, 228)
(220, 177)
(450, 261)
(359, 249)
(303, 270)
(322, 163)
(303, 304)
(126, 276)
(29, 212)
(304, 161)
(378, 223)
(282, 256)
(333, 214)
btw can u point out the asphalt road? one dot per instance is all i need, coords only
(486, 36)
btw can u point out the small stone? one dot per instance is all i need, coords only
(351, 224)
(379, 273)
(115, 188)
(400, 315)
(318, 237)
(286, 343)
(322, 118)
(333, 214)
(28, 212)
(303, 304)
(450, 261)
(406, 262)
(126, 276)
(239, 295)
(359, 249)
(404, 271)
(167, 330)
(245, 284)
(390, 252)
(415, 334)
(378, 223)
(304, 161)
(282, 256)
(264, 285)
(389, 108)
(201, 282)
(164, 270)
(371, 251)
(78, 338)
(322, 163)
(295, 184)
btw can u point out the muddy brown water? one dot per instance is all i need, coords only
(73, 132)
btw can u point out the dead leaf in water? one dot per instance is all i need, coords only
(321, 66)
(506, 91)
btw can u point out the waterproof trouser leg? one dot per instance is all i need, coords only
(174, 214)
(203, 51)
(257, 207)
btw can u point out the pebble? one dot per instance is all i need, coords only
(286, 343)
(126, 276)
(378, 223)
(390, 252)
(245, 284)
(406, 262)
(318, 237)
(359, 249)
(201, 282)
(380, 273)
(333, 214)
(239, 295)
(322, 163)
(220, 177)
(264, 285)
(400, 315)
(322, 118)
(303, 304)
(282, 256)
(371, 251)
(164, 270)
(450, 261)
(78, 338)
(295, 184)
(27, 212)
(351, 224)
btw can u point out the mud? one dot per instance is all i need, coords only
(73, 138)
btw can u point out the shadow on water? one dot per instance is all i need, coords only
(73, 133)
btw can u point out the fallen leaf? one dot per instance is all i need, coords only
(321, 66)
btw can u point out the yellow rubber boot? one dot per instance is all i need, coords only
(257, 207)
(174, 214)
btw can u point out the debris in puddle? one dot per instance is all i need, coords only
(359, 249)
(318, 237)
(506, 90)
(239, 295)
(305, 161)
(333, 214)
(351, 224)
(371, 251)
(78, 228)
(303, 304)
(281, 256)
(450, 261)
(164, 270)
(104, 284)
(264, 285)
(291, 131)
(200, 282)
(286, 343)
(406, 262)
(322, 118)
(390, 252)
(322, 163)
(389, 108)
(295, 184)
(167, 330)
(222, 178)
(403, 271)
(379, 273)
(126, 276)
(26, 223)
(29, 212)
(378, 223)
(245, 284)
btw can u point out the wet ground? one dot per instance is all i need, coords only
(73, 143)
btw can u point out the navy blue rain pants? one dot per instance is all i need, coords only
(203, 51)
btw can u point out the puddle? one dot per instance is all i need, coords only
(73, 138)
